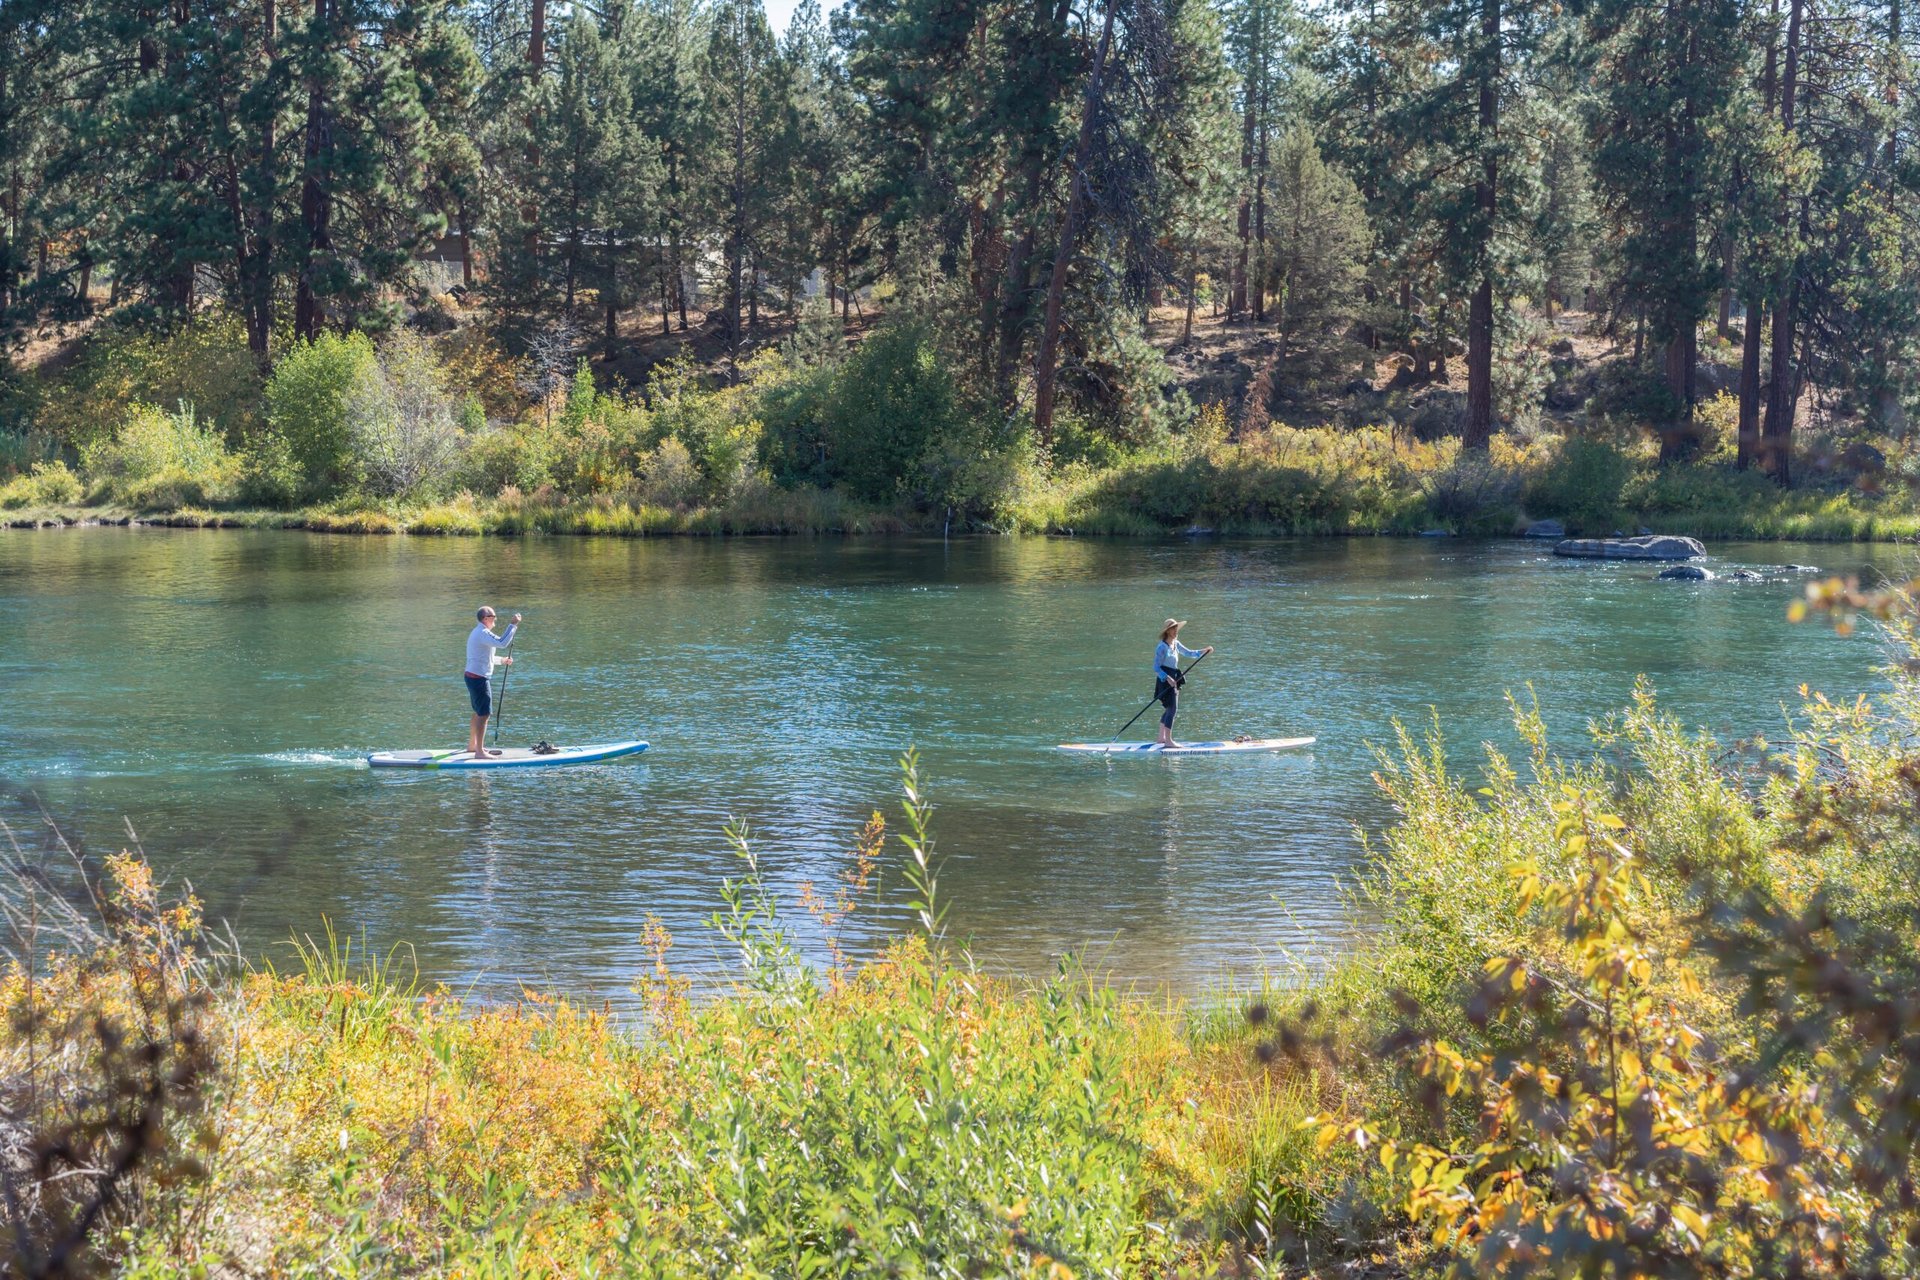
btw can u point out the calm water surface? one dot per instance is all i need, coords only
(218, 690)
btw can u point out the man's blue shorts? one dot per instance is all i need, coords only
(479, 693)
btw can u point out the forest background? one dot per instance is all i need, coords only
(1125, 266)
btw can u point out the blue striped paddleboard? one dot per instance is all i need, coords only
(509, 757)
(1186, 748)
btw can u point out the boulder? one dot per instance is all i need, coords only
(1659, 547)
(1686, 573)
(1744, 575)
(1561, 347)
(1545, 529)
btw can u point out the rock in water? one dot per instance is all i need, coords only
(1546, 529)
(1687, 573)
(1656, 547)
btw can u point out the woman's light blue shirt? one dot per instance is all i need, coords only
(1168, 655)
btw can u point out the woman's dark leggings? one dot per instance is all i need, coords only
(1169, 695)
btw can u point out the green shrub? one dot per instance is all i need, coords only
(48, 484)
(205, 363)
(898, 425)
(1582, 484)
(157, 460)
(22, 451)
(519, 456)
(598, 438)
(671, 479)
(793, 404)
(1472, 494)
(307, 400)
(270, 476)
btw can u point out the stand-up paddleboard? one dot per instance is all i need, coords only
(509, 757)
(1186, 748)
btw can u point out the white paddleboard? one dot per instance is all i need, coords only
(509, 757)
(1186, 748)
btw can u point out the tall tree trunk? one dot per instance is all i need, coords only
(1683, 341)
(536, 65)
(1479, 426)
(1017, 287)
(1776, 434)
(316, 190)
(180, 286)
(1723, 321)
(1747, 447)
(1043, 377)
(1237, 295)
(257, 264)
(1261, 158)
(737, 222)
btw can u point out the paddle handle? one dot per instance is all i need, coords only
(1150, 701)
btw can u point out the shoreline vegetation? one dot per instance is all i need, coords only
(1640, 1011)
(1287, 482)
(815, 434)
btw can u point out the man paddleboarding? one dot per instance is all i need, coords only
(1166, 675)
(481, 658)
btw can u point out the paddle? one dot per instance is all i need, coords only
(500, 712)
(1150, 701)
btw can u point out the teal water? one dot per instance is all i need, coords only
(217, 691)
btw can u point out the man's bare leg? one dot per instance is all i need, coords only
(477, 735)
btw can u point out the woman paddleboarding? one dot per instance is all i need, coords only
(1166, 675)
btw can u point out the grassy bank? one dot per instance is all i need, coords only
(1641, 1011)
(1292, 482)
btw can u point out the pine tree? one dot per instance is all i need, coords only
(672, 112)
(1473, 179)
(745, 87)
(1320, 239)
(1667, 79)
(1261, 39)
(369, 73)
(1199, 155)
(597, 180)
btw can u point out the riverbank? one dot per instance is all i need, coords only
(1321, 486)
(1545, 1045)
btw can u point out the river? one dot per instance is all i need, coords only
(218, 690)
